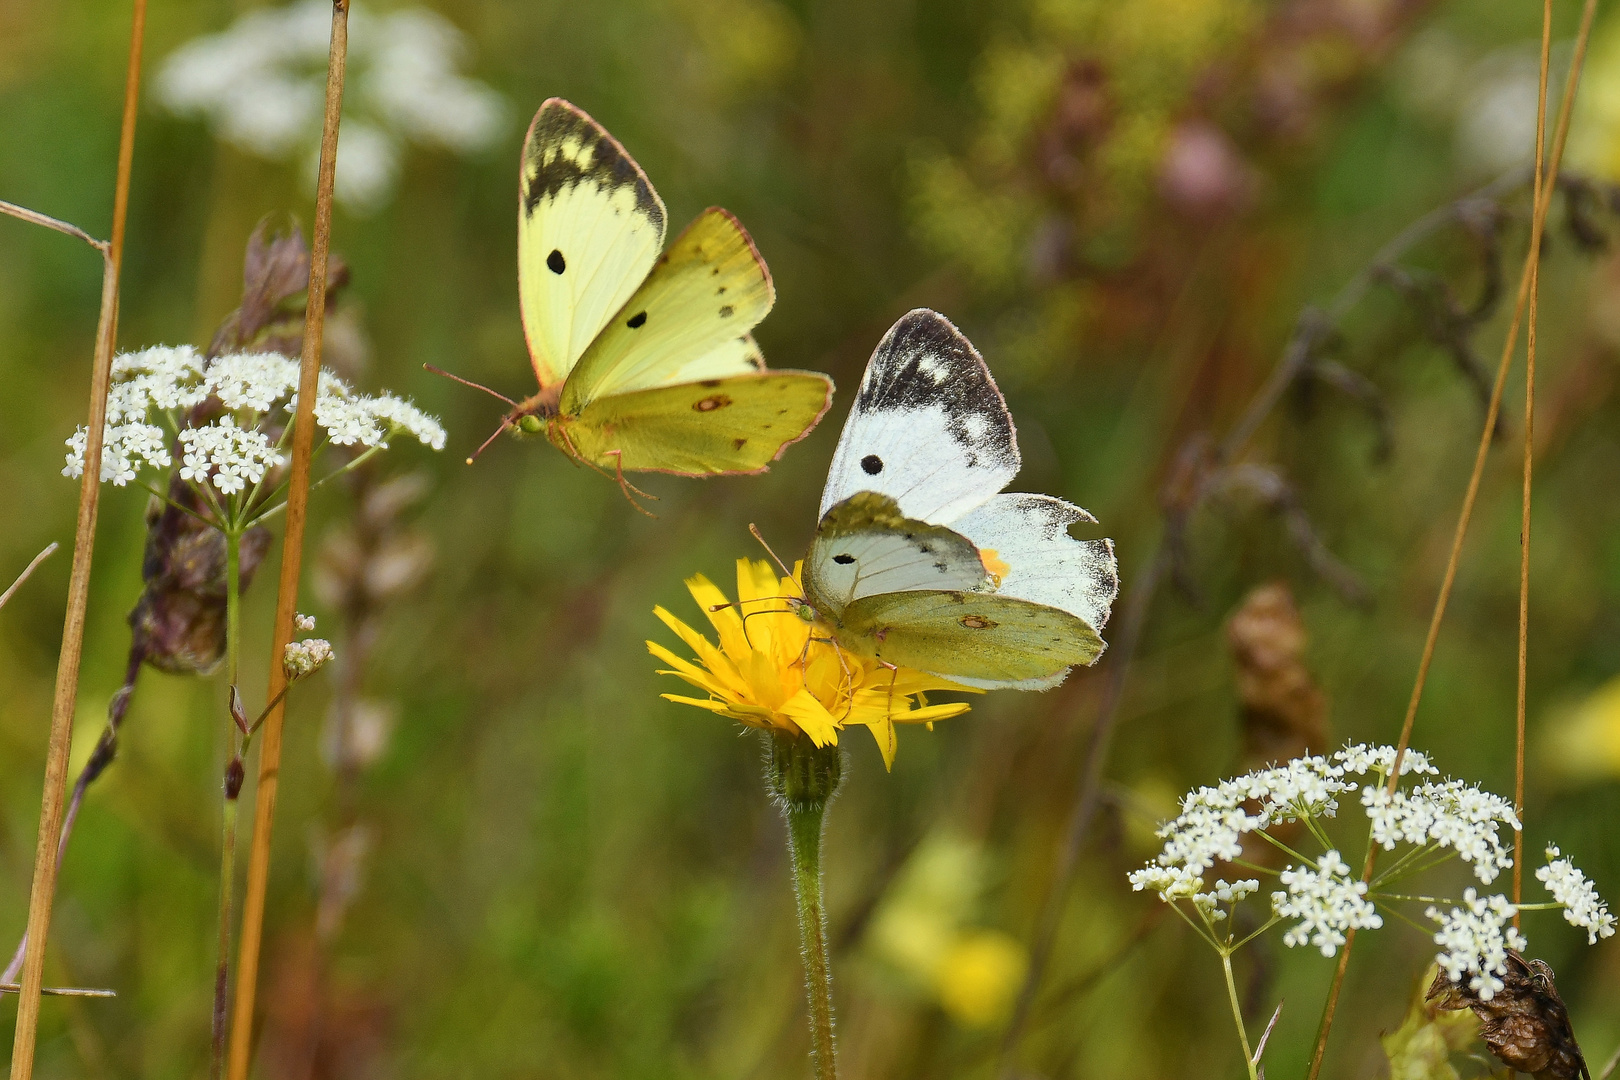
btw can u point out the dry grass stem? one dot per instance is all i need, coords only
(292, 550)
(62, 991)
(50, 549)
(67, 667)
(46, 221)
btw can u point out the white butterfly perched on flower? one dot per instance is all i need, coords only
(920, 560)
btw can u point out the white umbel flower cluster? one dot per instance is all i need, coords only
(260, 84)
(1583, 907)
(1474, 940)
(306, 657)
(1451, 814)
(153, 389)
(1322, 898)
(1327, 901)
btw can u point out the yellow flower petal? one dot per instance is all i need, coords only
(812, 718)
(697, 676)
(722, 615)
(883, 731)
(707, 655)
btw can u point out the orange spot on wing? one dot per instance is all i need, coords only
(993, 564)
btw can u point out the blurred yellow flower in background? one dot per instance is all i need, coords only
(923, 929)
(1585, 742)
(775, 671)
(1594, 135)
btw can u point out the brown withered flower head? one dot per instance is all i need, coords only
(1525, 1024)
(178, 624)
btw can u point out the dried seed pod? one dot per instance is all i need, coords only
(1284, 711)
(178, 624)
(1525, 1024)
(275, 277)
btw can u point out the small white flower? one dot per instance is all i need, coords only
(1359, 758)
(1327, 901)
(1582, 905)
(304, 623)
(1474, 940)
(1452, 814)
(232, 451)
(260, 84)
(306, 657)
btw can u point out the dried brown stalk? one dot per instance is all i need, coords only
(1543, 200)
(292, 552)
(84, 538)
(50, 549)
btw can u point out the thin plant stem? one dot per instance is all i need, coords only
(101, 756)
(1237, 1013)
(804, 843)
(50, 549)
(34, 217)
(61, 991)
(1529, 457)
(1542, 201)
(65, 698)
(292, 553)
(232, 791)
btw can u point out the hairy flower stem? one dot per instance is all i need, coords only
(804, 842)
(1237, 1014)
(234, 772)
(802, 779)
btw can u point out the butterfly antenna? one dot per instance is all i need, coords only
(789, 600)
(755, 530)
(485, 446)
(475, 386)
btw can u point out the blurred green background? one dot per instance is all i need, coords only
(527, 865)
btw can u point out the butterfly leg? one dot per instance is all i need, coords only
(627, 487)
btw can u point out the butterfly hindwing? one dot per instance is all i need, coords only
(864, 546)
(978, 639)
(1026, 537)
(928, 428)
(732, 425)
(590, 227)
(703, 296)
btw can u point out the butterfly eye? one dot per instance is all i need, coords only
(871, 464)
(556, 261)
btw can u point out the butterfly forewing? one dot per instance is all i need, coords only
(928, 428)
(590, 227)
(864, 546)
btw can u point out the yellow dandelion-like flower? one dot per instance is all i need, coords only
(775, 670)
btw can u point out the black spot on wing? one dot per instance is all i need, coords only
(871, 464)
(925, 362)
(843, 560)
(603, 162)
(636, 321)
(556, 261)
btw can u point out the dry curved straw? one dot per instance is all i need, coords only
(84, 539)
(292, 553)
(1545, 185)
